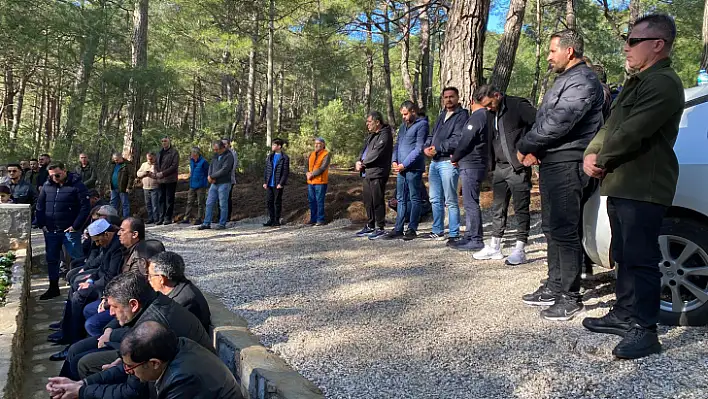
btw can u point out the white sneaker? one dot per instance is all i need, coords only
(517, 257)
(488, 252)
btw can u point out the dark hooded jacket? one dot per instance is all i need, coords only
(377, 152)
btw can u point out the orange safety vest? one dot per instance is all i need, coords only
(315, 162)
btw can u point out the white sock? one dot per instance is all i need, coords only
(520, 246)
(496, 243)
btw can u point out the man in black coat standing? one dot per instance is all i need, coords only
(277, 170)
(374, 165)
(509, 119)
(566, 122)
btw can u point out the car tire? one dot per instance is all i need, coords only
(679, 231)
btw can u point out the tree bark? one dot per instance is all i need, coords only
(385, 34)
(9, 100)
(463, 51)
(506, 55)
(315, 102)
(75, 111)
(539, 42)
(704, 57)
(635, 11)
(547, 75)
(250, 120)
(281, 94)
(570, 14)
(17, 117)
(425, 91)
(368, 86)
(405, 54)
(271, 74)
(136, 118)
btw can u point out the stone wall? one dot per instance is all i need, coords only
(15, 227)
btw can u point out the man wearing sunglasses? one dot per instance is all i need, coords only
(22, 192)
(62, 208)
(633, 155)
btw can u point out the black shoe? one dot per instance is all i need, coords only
(376, 234)
(55, 326)
(607, 324)
(52, 292)
(276, 224)
(392, 235)
(158, 223)
(60, 356)
(541, 297)
(219, 227)
(455, 241)
(268, 223)
(204, 227)
(637, 343)
(468, 245)
(56, 337)
(185, 221)
(150, 222)
(433, 236)
(310, 223)
(364, 232)
(563, 310)
(409, 235)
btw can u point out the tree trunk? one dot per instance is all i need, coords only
(570, 14)
(136, 118)
(425, 91)
(271, 74)
(386, 31)
(463, 52)
(75, 111)
(547, 75)
(539, 42)
(704, 57)
(193, 112)
(508, 45)
(250, 119)
(315, 103)
(635, 11)
(368, 87)
(17, 117)
(281, 84)
(405, 54)
(10, 92)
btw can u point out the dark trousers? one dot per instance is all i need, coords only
(375, 202)
(196, 198)
(95, 320)
(562, 186)
(471, 184)
(70, 368)
(230, 203)
(408, 186)
(274, 202)
(510, 185)
(635, 235)
(316, 197)
(72, 324)
(166, 208)
(54, 242)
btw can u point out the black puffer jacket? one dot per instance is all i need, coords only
(58, 208)
(282, 169)
(114, 383)
(377, 153)
(569, 117)
(111, 260)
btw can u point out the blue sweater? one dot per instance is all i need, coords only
(409, 144)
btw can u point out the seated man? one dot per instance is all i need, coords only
(166, 275)
(132, 301)
(85, 291)
(179, 367)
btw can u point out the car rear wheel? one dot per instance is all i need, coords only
(684, 269)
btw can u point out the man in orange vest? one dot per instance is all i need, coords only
(317, 178)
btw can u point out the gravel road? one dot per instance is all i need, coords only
(398, 319)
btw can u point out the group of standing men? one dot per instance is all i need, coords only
(630, 155)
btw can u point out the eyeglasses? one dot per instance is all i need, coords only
(633, 41)
(131, 370)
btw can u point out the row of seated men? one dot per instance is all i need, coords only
(133, 325)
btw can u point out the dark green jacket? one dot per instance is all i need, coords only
(636, 145)
(126, 176)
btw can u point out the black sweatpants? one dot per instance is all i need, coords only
(274, 202)
(375, 202)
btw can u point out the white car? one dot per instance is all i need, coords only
(684, 234)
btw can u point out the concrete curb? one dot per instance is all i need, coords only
(13, 323)
(261, 373)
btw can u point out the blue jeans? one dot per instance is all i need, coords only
(443, 179)
(316, 196)
(54, 240)
(152, 204)
(95, 321)
(124, 200)
(220, 193)
(408, 186)
(471, 185)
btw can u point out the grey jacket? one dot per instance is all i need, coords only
(222, 167)
(568, 118)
